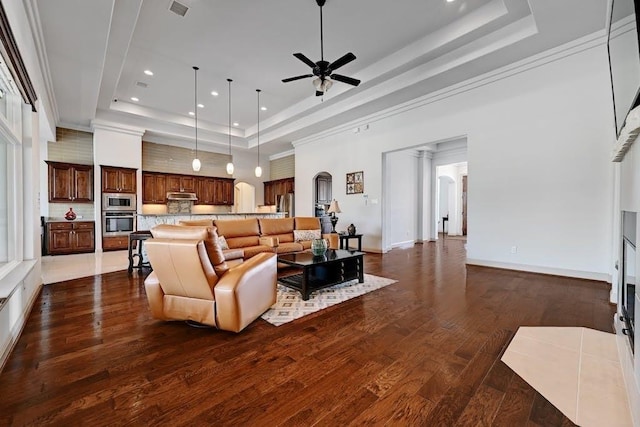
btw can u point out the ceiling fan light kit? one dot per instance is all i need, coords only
(324, 70)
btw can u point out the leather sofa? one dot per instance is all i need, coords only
(192, 281)
(249, 237)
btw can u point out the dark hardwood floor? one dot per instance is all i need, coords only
(422, 352)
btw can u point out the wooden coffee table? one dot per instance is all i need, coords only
(335, 266)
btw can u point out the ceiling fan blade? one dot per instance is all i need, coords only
(344, 60)
(318, 93)
(304, 59)
(345, 79)
(290, 79)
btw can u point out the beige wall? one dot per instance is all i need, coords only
(284, 167)
(168, 159)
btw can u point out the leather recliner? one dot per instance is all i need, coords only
(191, 280)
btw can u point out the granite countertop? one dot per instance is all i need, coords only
(63, 219)
(210, 214)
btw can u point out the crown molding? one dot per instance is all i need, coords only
(33, 16)
(283, 154)
(117, 127)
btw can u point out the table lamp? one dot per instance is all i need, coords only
(334, 208)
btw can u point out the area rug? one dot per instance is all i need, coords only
(290, 305)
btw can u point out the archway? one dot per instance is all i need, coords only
(322, 193)
(244, 198)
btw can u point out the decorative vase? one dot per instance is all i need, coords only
(351, 229)
(71, 215)
(318, 246)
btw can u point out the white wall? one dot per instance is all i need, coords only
(629, 200)
(538, 157)
(402, 204)
(114, 146)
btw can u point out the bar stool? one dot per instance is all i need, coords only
(138, 236)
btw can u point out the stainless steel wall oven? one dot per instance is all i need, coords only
(118, 223)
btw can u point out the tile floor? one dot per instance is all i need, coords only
(576, 369)
(66, 267)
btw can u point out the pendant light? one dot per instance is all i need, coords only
(258, 168)
(230, 164)
(196, 162)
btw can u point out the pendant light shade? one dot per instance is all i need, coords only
(195, 165)
(230, 164)
(258, 168)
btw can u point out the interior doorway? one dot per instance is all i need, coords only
(244, 198)
(464, 205)
(451, 199)
(322, 189)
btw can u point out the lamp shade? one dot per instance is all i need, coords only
(196, 165)
(334, 207)
(258, 171)
(230, 168)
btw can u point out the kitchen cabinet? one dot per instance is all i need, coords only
(70, 237)
(181, 183)
(70, 182)
(115, 243)
(209, 190)
(154, 188)
(205, 188)
(278, 186)
(118, 180)
(223, 191)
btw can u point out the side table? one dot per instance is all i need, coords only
(138, 236)
(344, 241)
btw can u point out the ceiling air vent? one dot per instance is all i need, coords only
(142, 85)
(178, 8)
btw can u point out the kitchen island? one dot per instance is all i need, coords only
(147, 222)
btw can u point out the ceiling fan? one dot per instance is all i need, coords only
(323, 70)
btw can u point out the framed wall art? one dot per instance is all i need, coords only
(355, 182)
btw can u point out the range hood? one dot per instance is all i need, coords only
(181, 196)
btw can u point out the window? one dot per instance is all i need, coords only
(4, 202)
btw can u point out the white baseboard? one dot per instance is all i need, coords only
(590, 275)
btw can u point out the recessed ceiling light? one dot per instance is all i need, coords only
(191, 113)
(148, 72)
(263, 108)
(134, 99)
(200, 106)
(236, 124)
(214, 93)
(450, 1)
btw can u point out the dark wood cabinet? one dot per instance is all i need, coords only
(70, 237)
(154, 188)
(115, 243)
(205, 188)
(70, 182)
(209, 190)
(276, 187)
(118, 180)
(223, 191)
(181, 183)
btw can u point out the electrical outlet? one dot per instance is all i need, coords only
(514, 249)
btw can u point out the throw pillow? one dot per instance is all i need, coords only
(300, 235)
(223, 243)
